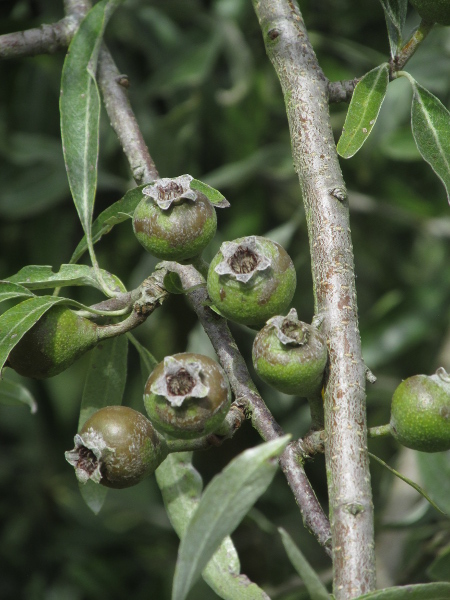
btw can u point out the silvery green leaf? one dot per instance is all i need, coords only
(239, 485)
(363, 110)
(315, 587)
(430, 122)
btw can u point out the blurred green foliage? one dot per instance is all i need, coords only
(209, 104)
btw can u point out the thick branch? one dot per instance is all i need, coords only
(248, 398)
(315, 159)
(45, 39)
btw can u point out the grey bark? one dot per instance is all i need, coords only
(306, 97)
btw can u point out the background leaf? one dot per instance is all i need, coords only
(435, 474)
(120, 211)
(238, 486)
(106, 377)
(430, 122)
(414, 485)
(104, 386)
(363, 110)
(315, 587)
(148, 361)
(15, 394)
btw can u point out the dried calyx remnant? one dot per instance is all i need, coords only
(289, 330)
(166, 191)
(88, 456)
(242, 260)
(179, 381)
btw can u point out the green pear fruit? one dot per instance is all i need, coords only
(56, 341)
(420, 412)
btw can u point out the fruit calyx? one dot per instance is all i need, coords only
(243, 260)
(167, 191)
(289, 329)
(179, 381)
(88, 456)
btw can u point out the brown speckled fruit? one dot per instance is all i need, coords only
(187, 396)
(117, 447)
(250, 280)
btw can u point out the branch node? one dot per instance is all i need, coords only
(339, 193)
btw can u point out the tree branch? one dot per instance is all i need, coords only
(248, 398)
(341, 91)
(123, 121)
(51, 38)
(305, 91)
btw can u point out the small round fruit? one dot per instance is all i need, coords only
(433, 11)
(117, 447)
(172, 221)
(290, 355)
(57, 340)
(187, 396)
(420, 412)
(250, 280)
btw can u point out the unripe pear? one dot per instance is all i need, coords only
(172, 221)
(250, 280)
(56, 341)
(420, 412)
(290, 355)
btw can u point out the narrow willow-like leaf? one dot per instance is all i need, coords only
(120, 211)
(15, 322)
(148, 361)
(35, 277)
(181, 487)
(430, 122)
(363, 110)
(15, 394)
(395, 13)
(417, 487)
(94, 495)
(212, 194)
(421, 591)
(10, 290)
(315, 587)
(106, 377)
(104, 386)
(224, 503)
(80, 110)
(434, 468)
